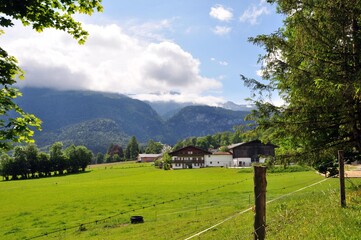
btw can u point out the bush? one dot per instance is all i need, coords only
(290, 168)
(158, 163)
(329, 167)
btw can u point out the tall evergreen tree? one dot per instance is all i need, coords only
(132, 150)
(314, 64)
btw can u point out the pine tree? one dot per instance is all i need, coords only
(132, 149)
(314, 64)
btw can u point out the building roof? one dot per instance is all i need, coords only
(244, 143)
(190, 146)
(150, 155)
(222, 153)
(235, 145)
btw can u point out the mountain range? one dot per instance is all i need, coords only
(97, 119)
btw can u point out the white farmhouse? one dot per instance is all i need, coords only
(219, 159)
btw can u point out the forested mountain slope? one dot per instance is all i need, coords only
(97, 119)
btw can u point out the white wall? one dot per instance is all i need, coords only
(245, 162)
(242, 162)
(181, 165)
(218, 160)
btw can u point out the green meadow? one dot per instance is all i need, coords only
(175, 204)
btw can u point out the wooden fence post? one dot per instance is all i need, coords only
(341, 175)
(260, 184)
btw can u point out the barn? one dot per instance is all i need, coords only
(244, 154)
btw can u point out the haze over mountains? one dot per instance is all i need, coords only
(97, 119)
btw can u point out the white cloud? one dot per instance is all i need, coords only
(151, 31)
(252, 14)
(111, 60)
(223, 63)
(181, 98)
(222, 30)
(221, 13)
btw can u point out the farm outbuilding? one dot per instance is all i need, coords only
(244, 154)
(148, 157)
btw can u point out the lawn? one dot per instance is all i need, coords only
(175, 204)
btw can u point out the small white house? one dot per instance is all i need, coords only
(218, 159)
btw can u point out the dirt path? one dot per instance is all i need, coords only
(354, 173)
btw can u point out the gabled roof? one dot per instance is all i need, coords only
(245, 143)
(190, 146)
(234, 145)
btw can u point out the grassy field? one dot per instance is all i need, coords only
(175, 205)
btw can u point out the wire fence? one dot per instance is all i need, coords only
(121, 213)
(195, 208)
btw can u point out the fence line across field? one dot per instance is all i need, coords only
(186, 196)
(248, 209)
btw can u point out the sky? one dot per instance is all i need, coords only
(155, 50)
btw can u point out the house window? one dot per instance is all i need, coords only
(210, 162)
(218, 162)
(190, 152)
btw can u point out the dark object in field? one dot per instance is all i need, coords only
(136, 219)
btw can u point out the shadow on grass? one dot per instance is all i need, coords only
(52, 176)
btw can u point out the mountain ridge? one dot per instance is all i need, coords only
(97, 119)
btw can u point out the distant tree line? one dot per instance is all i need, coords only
(28, 162)
(116, 153)
(218, 140)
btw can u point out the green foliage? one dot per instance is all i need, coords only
(116, 152)
(204, 120)
(91, 116)
(78, 158)
(40, 15)
(313, 62)
(328, 166)
(153, 147)
(32, 157)
(6, 165)
(208, 196)
(289, 169)
(132, 150)
(167, 161)
(158, 163)
(45, 166)
(57, 158)
(49, 14)
(99, 158)
(28, 162)
(218, 140)
(86, 133)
